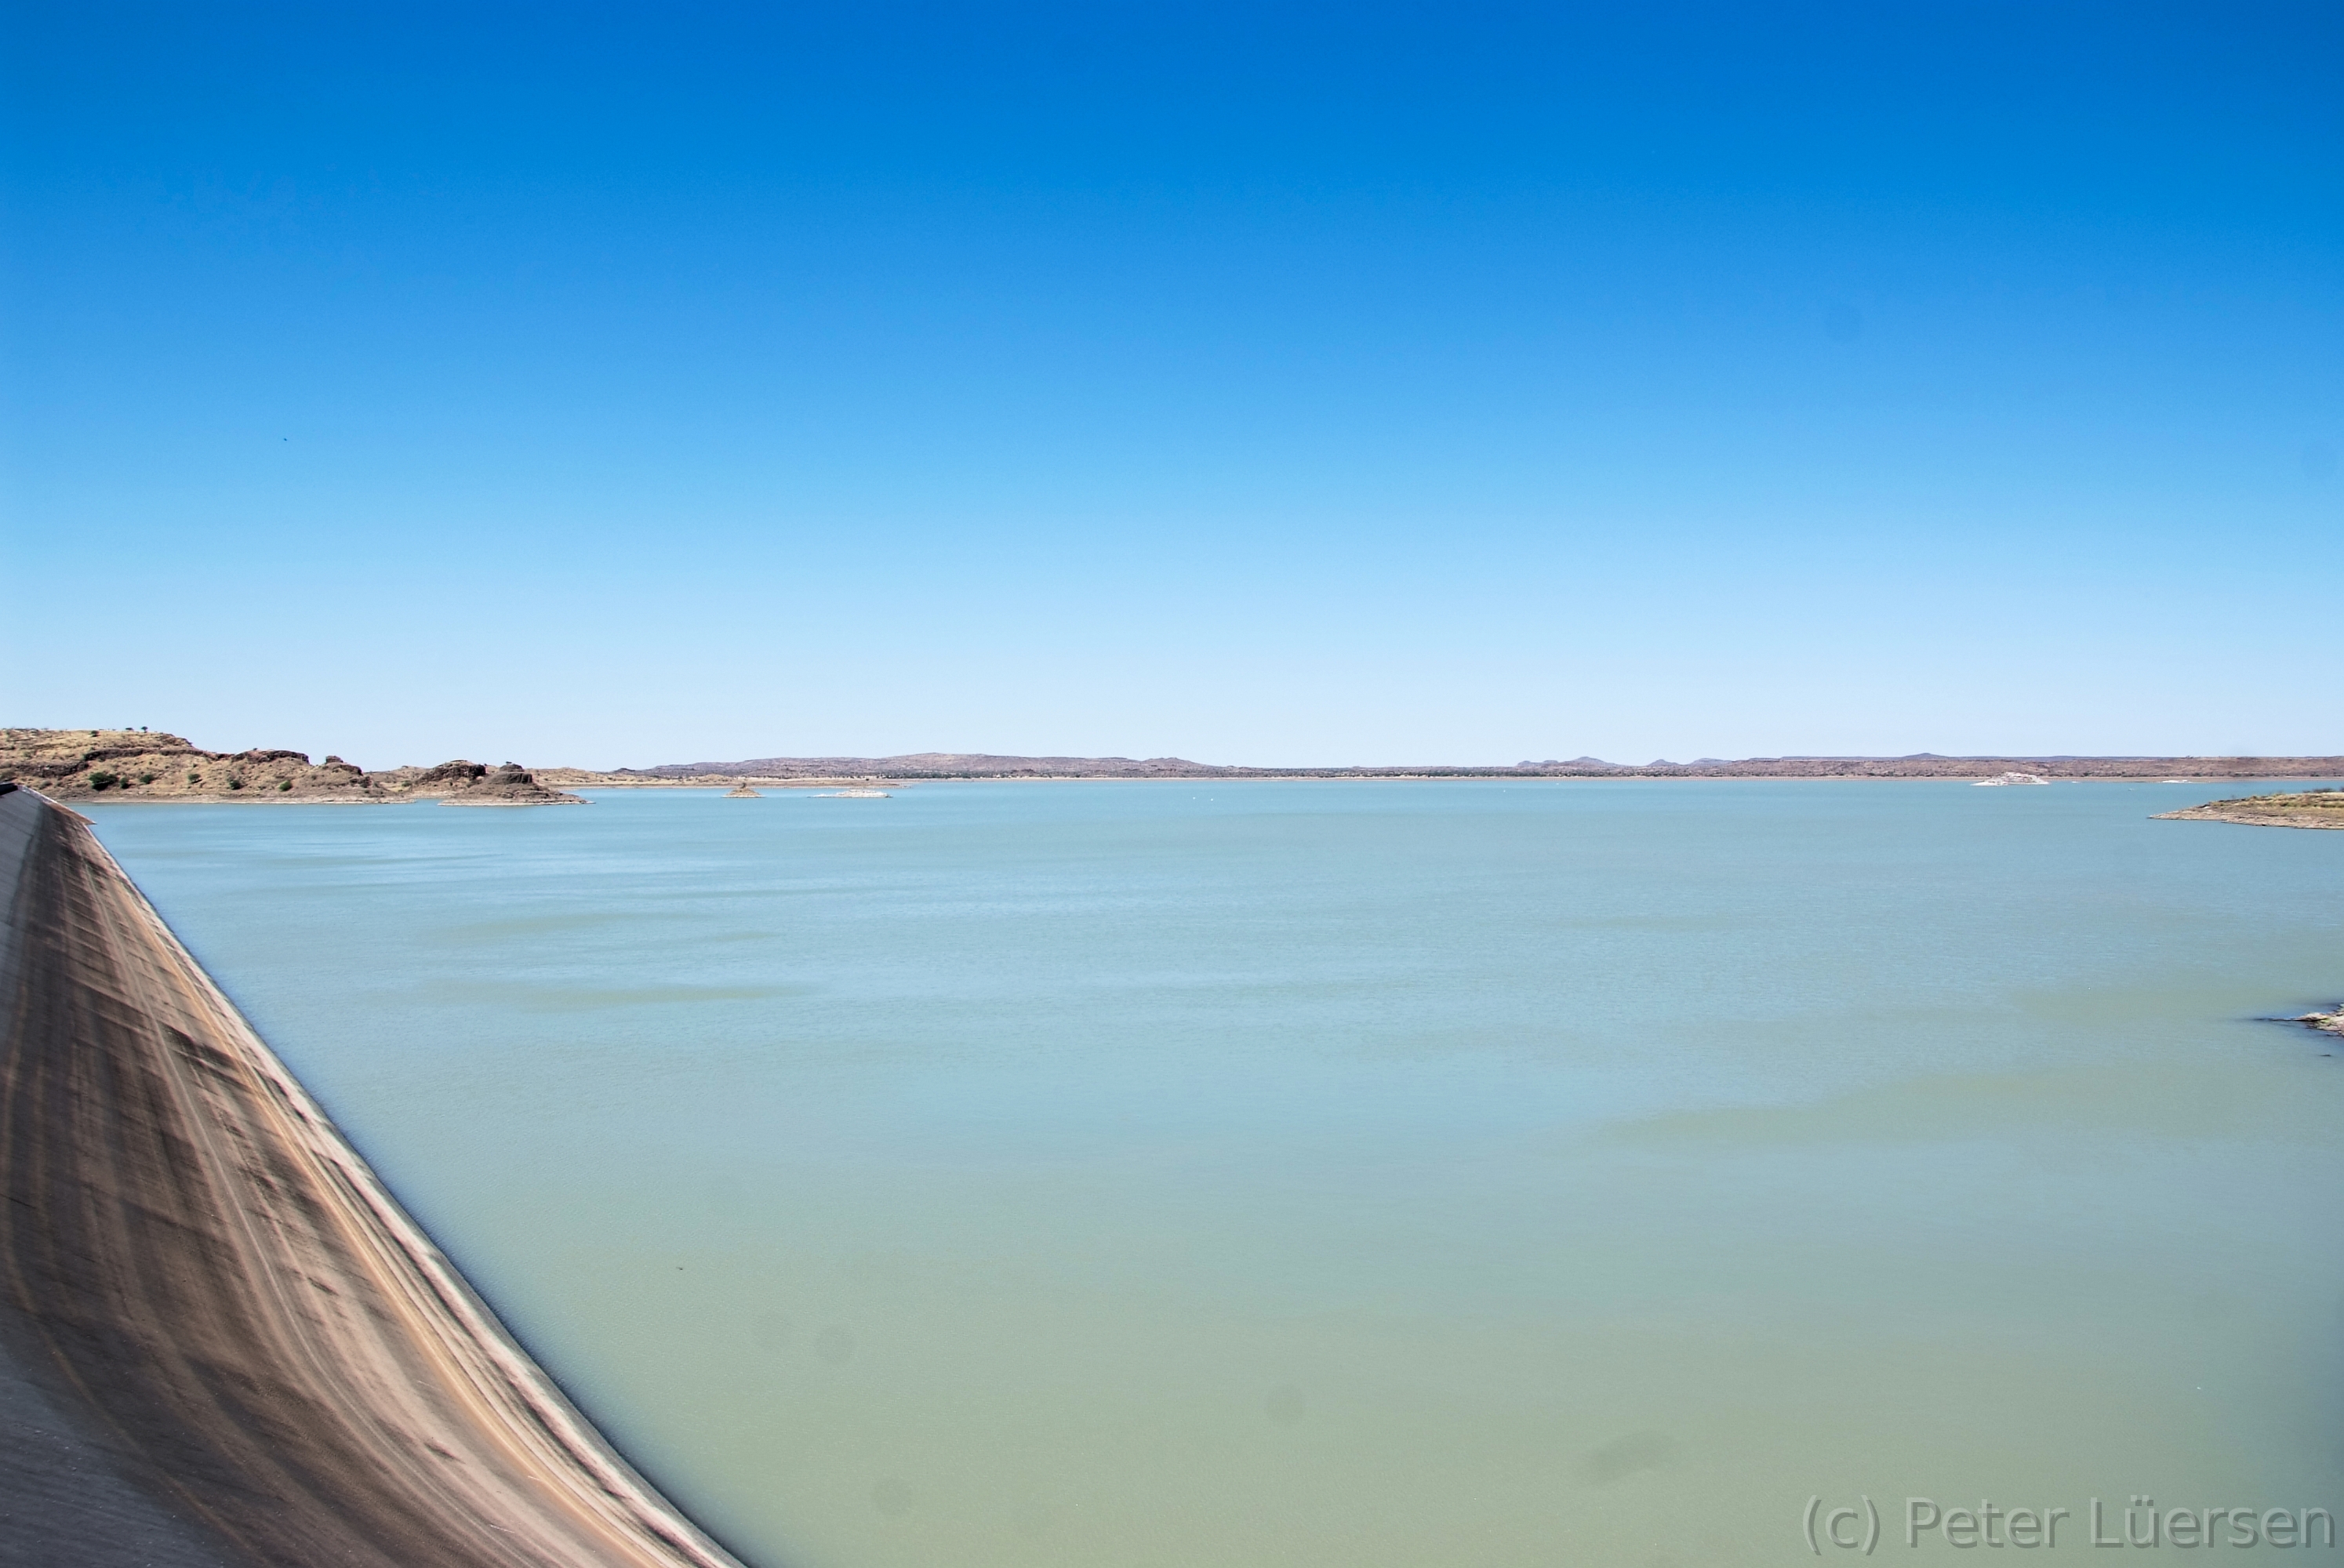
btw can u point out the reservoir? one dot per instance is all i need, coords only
(1362, 1173)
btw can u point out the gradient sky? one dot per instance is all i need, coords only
(618, 384)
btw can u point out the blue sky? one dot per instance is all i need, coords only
(1254, 383)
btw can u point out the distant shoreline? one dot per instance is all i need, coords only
(784, 771)
(811, 786)
(108, 765)
(2240, 769)
(729, 781)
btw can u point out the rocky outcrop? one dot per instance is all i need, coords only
(2321, 808)
(448, 778)
(144, 765)
(462, 783)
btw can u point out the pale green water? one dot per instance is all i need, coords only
(1408, 1175)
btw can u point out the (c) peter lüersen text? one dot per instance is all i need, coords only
(1856, 1527)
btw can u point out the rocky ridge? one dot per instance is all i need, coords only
(151, 765)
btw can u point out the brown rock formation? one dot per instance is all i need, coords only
(140, 765)
(509, 785)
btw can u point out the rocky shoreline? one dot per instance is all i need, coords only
(2299, 809)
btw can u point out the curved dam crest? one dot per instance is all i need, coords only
(222, 1341)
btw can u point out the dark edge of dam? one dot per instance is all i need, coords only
(222, 1341)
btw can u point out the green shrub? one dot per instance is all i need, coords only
(235, 783)
(101, 780)
(194, 778)
(284, 784)
(146, 777)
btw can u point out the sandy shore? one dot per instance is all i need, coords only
(222, 1341)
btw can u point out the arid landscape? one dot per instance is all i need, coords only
(1400, 1074)
(144, 765)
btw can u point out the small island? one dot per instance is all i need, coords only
(2319, 808)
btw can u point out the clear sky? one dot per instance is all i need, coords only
(1261, 383)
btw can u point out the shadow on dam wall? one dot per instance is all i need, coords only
(222, 1341)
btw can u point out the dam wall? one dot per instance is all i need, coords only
(222, 1341)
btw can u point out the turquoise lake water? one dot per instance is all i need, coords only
(1372, 1174)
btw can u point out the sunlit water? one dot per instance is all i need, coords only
(1351, 1175)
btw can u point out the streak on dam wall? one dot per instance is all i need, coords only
(222, 1341)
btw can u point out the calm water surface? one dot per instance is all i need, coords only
(1381, 1175)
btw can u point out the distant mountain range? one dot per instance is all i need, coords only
(1920, 764)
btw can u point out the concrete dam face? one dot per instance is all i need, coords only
(222, 1341)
